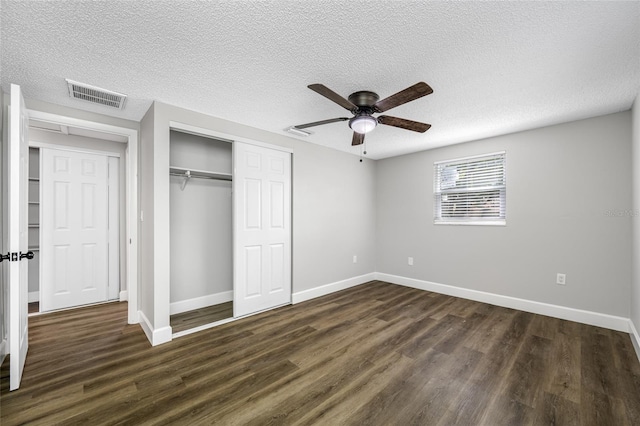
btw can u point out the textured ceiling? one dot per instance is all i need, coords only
(495, 68)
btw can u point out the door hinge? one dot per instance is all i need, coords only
(15, 256)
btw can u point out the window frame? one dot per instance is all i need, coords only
(438, 192)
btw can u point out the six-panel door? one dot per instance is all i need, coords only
(262, 228)
(74, 227)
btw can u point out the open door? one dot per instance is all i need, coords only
(18, 166)
(262, 228)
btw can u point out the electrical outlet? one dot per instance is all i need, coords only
(355, 259)
(561, 279)
(410, 261)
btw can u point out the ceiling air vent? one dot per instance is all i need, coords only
(95, 95)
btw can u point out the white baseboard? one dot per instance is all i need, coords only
(635, 338)
(34, 296)
(155, 336)
(124, 295)
(200, 302)
(578, 315)
(323, 290)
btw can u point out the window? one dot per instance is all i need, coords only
(471, 190)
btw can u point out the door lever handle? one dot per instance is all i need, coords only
(4, 257)
(28, 255)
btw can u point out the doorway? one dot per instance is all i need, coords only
(74, 222)
(201, 261)
(59, 130)
(252, 226)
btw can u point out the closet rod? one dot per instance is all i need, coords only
(193, 175)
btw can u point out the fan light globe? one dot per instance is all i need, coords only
(363, 124)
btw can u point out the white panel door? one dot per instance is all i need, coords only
(18, 166)
(262, 228)
(74, 229)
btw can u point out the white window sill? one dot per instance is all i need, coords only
(472, 222)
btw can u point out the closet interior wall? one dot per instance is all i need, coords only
(200, 222)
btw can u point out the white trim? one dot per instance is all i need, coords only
(323, 290)
(471, 222)
(124, 295)
(200, 302)
(131, 193)
(225, 137)
(578, 315)
(80, 123)
(155, 337)
(471, 157)
(36, 144)
(635, 338)
(34, 296)
(204, 327)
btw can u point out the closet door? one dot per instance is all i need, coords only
(262, 228)
(74, 227)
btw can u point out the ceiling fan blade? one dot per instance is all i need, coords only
(358, 139)
(319, 123)
(409, 94)
(333, 96)
(404, 123)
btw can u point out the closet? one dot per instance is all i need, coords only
(201, 230)
(75, 187)
(34, 229)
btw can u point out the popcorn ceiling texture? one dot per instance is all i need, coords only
(495, 67)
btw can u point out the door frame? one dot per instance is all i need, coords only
(131, 196)
(228, 137)
(110, 234)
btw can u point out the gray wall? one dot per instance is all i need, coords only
(635, 284)
(568, 198)
(146, 235)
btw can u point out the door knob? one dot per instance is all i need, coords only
(28, 255)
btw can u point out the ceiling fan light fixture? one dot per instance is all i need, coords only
(363, 123)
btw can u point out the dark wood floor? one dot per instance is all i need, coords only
(203, 316)
(376, 354)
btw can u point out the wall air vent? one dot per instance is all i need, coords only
(95, 95)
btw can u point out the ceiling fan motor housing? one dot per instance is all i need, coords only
(364, 99)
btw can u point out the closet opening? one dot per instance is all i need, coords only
(77, 188)
(201, 231)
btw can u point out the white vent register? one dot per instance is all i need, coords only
(96, 95)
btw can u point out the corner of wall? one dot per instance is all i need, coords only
(634, 315)
(155, 336)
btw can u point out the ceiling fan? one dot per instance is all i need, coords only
(364, 104)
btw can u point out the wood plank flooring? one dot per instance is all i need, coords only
(376, 354)
(202, 316)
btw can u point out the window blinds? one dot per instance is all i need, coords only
(471, 190)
